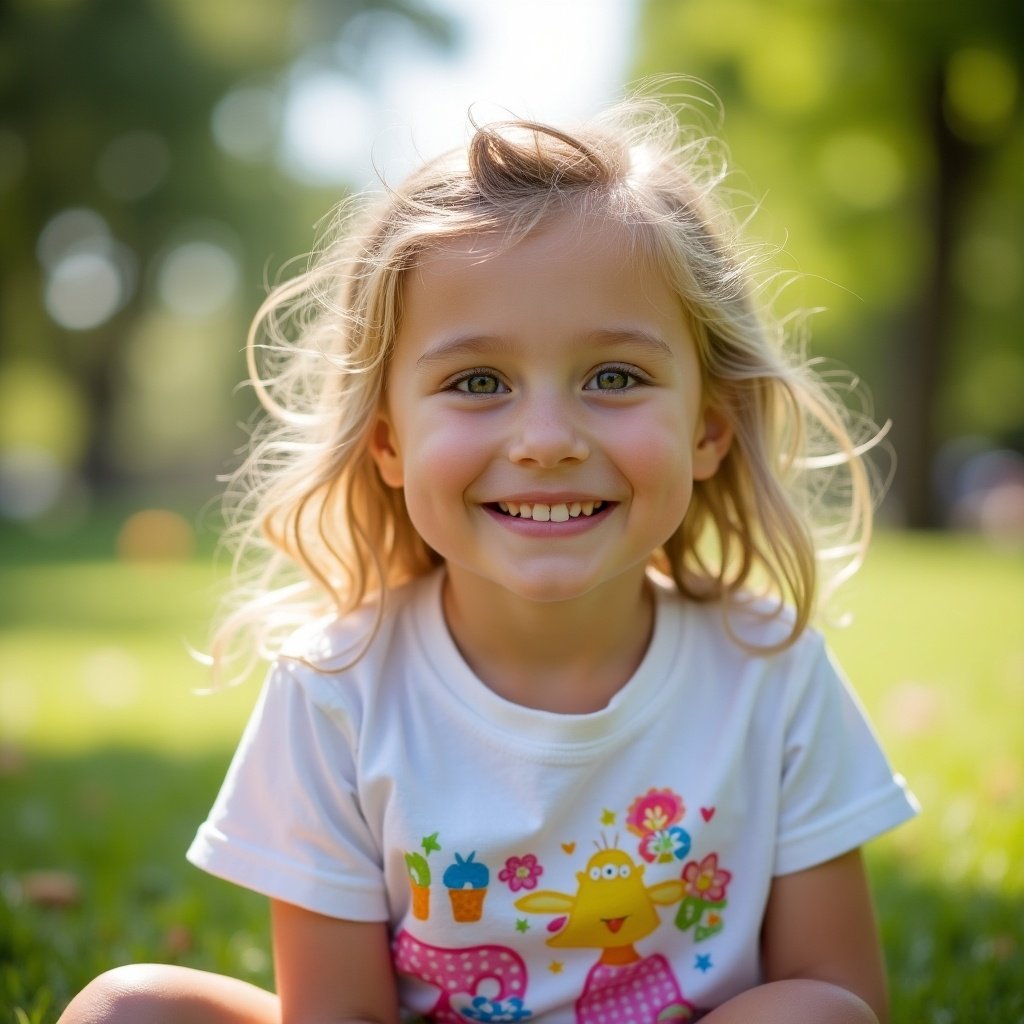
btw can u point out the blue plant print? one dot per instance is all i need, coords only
(484, 1009)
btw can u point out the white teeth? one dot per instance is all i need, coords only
(541, 513)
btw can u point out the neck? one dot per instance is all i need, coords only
(570, 657)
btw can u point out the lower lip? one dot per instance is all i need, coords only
(532, 528)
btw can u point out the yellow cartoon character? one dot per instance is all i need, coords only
(611, 911)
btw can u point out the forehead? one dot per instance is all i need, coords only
(570, 274)
(558, 238)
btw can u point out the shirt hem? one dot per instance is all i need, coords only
(865, 821)
(220, 856)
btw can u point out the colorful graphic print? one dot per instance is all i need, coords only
(611, 910)
(636, 993)
(466, 881)
(419, 881)
(459, 975)
(653, 817)
(495, 1010)
(521, 872)
(705, 884)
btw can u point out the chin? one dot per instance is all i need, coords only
(546, 589)
(549, 594)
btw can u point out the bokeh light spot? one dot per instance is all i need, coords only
(789, 72)
(85, 290)
(155, 535)
(245, 122)
(198, 278)
(912, 709)
(862, 169)
(19, 704)
(31, 481)
(248, 953)
(325, 114)
(981, 92)
(112, 677)
(40, 407)
(68, 231)
(90, 275)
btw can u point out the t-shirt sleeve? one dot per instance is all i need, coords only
(837, 788)
(287, 821)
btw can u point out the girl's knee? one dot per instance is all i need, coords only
(138, 993)
(164, 994)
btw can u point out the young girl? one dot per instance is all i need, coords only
(564, 747)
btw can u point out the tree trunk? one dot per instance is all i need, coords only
(921, 364)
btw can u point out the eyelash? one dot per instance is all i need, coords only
(631, 373)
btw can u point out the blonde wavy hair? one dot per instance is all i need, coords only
(316, 531)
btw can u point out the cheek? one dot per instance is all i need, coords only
(441, 466)
(440, 459)
(655, 454)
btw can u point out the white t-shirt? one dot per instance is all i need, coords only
(604, 868)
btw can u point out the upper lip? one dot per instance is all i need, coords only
(546, 499)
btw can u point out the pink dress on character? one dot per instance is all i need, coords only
(642, 992)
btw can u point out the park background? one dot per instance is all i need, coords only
(161, 161)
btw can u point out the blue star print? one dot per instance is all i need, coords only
(703, 962)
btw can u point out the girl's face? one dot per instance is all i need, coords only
(543, 412)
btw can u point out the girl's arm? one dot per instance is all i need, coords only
(821, 955)
(331, 971)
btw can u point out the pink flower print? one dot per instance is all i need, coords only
(521, 872)
(706, 880)
(656, 811)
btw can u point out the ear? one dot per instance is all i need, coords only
(714, 435)
(383, 446)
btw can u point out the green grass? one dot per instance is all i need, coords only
(108, 761)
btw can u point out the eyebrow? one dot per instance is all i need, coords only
(475, 344)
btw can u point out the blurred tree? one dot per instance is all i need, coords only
(888, 134)
(117, 202)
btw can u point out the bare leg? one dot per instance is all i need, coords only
(799, 1001)
(162, 994)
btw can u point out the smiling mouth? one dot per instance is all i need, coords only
(541, 513)
(613, 923)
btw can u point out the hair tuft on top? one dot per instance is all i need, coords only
(532, 156)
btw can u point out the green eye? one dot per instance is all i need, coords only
(479, 384)
(612, 378)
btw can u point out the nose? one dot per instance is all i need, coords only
(547, 434)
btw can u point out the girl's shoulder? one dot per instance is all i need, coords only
(743, 626)
(352, 646)
(746, 647)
